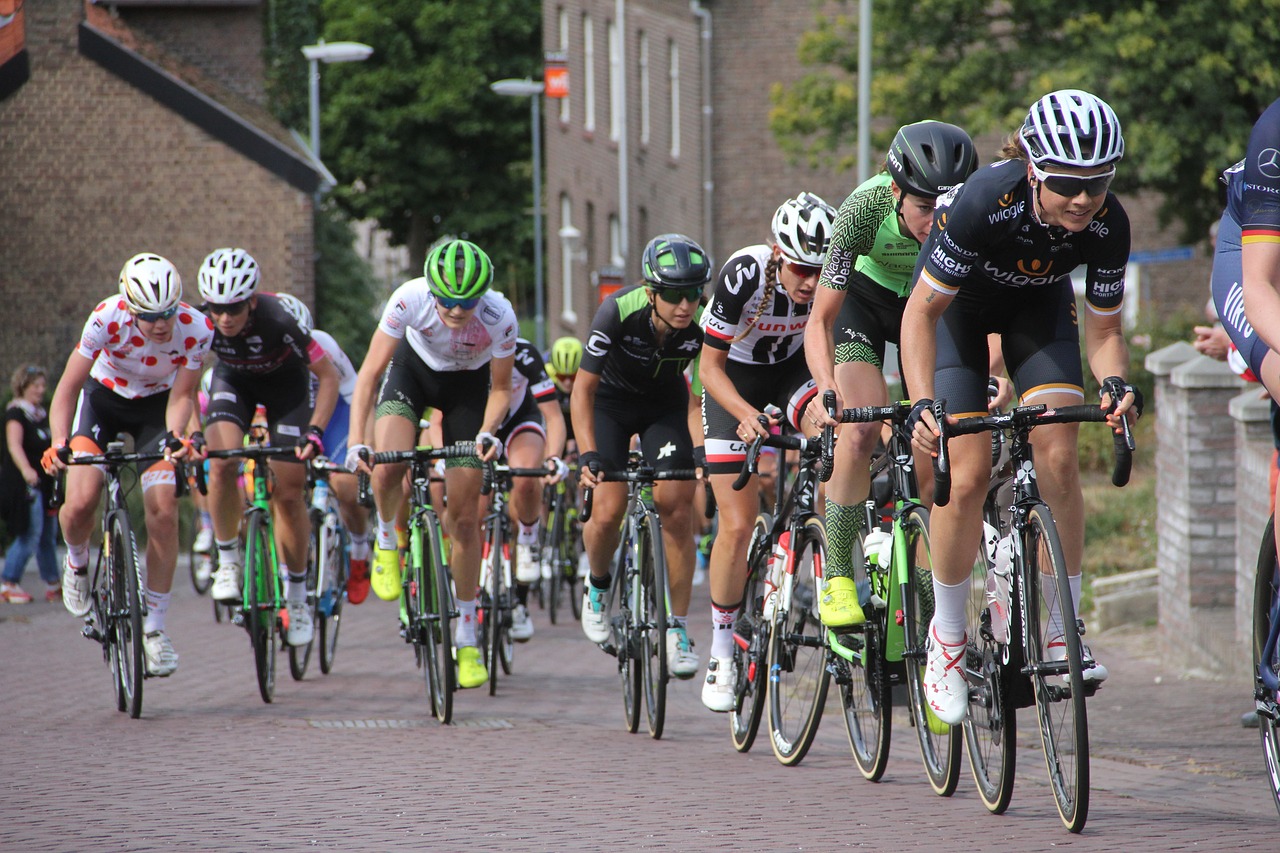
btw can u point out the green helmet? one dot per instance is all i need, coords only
(458, 269)
(566, 356)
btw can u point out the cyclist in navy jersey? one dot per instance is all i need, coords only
(753, 359)
(999, 260)
(265, 358)
(632, 382)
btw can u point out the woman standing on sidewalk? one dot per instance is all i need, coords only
(25, 489)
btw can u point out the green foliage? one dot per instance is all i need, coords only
(1186, 79)
(288, 25)
(345, 297)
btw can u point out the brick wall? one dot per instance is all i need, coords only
(225, 44)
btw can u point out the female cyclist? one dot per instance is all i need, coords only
(858, 308)
(754, 327)
(632, 382)
(999, 261)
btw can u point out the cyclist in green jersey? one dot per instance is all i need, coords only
(878, 232)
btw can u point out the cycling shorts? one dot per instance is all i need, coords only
(786, 384)
(410, 387)
(102, 414)
(527, 418)
(284, 393)
(869, 316)
(663, 430)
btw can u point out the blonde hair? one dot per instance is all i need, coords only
(770, 284)
(1012, 148)
(24, 376)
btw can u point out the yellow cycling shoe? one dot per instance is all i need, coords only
(471, 671)
(838, 606)
(384, 574)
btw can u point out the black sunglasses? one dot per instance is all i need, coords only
(231, 308)
(676, 295)
(156, 316)
(1071, 186)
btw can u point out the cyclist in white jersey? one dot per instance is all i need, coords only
(135, 370)
(446, 341)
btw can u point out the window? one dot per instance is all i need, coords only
(615, 240)
(567, 253)
(588, 74)
(563, 23)
(644, 88)
(616, 99)
(673, 79)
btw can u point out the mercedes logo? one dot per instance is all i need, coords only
(1269, 163)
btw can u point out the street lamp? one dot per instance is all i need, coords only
(338, 51)
(532, 89)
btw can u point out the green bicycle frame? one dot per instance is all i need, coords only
(261, 503)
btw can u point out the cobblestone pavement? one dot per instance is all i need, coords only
(353, 760)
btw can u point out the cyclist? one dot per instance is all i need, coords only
(632, 382)
(134, 371)
(858, 309)
(264, 358)
(447, 341)
(562, 362)
(999, 260)
(354, 517)
(754, 326)
(534, 425)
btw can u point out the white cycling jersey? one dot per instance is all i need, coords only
(491, 332)
(134, 366)
(346, 373)
(776, 335)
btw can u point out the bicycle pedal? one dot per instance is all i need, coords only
(609, 648)
(90, 632)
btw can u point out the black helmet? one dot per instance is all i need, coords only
(674, 260)
(930, 157)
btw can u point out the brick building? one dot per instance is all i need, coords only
(141, 126)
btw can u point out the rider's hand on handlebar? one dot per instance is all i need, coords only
(1003, 395)
(1130, 401)
(924, 429)
(816, 412)
(588, 468)
(355, 462)
(488, 447)
(52, 460)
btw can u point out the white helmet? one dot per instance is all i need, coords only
(802, 228)
(227, 276)
(299, 311)
(1072, 128)
(150, 284)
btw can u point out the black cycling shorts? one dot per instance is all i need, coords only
(527, 418)
(786, 384)
(285, 393)
(869, 316)
(102, 415)
(410, 387)
(663, 429)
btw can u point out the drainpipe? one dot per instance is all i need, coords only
(624, 195)
(708, 178)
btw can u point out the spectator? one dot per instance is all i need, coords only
(25, 489)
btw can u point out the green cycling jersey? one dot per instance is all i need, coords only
(867, 239)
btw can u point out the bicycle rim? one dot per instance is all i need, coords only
(441, 629)
(261, 605)
(552, 535)
(652, 621)
(627, 642)
(990, 730)
(126, 618)
(488, 606)
(300, 656)
(863, 683)
(506, 605)
(1060, 707)
(940, 746)
(1266, 581)
(334, 549)
(798, 676)
(750, 642)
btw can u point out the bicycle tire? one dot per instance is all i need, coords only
(1265, 585)
(126, 616)
(440, 670)
(990, 730)
(300, 657)
(798, 675)
(195, 560)
(940, 744)
(552, 533)
(571, 549)
(1060, 710)
(749, 663)
(506, 609)
(487, 605)
(260, 604)
(863, 682)
(625, 639)
(335, 548)
(652, 620)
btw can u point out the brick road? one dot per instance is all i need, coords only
(353, 760)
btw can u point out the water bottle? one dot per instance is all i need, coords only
(778, 562)
(877, 546)
(320, 495)
(999, 582)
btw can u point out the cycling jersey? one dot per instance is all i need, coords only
(490, 333)
(773, 333)
(346, 372)
(866, 238)
(269, 340)
(131, 364)
(529, 379)
(623, 349)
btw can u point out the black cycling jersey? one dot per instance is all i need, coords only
(270, 339)
(623, 351)
(753, 327)
(529, 380)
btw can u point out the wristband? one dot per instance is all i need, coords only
(700, 457)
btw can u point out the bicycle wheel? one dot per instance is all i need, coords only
(487, 604)
(260, 604)
(990, 730)
(798, 676)
(199, 565)
(333, 545)
(552, 532)
(1265, 585)
(1064, 728)
(751, 641)
(940, 746)
(651, 620)
(506, 605)
(863, 682)
(626, 638)
(125, 617)
(300, 656)
(434, 629)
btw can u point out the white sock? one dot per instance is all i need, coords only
(157, 607)
(228, 550)
(359, 546)
(465, 633)
(722, 620)
(78, 555)
(528, 534)
(386, 534)
(949, 611)
(295, 586)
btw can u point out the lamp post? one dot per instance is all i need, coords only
(532, 89)
(338, 51)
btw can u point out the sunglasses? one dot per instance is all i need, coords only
(231, 308)
(802, 270)
(448, 302)
(156, 316)
(676, 295)
(1071, 186)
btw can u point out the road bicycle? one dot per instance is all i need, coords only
(895, 585)
(118, 602)
(562, 547)
(639, 601)
(327, 565)
(427, 608)
(1020, 600)
(1266, 654)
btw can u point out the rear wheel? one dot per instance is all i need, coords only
(651, 620)
(1266, 583)
(751, 641)
(300, 656)
(260, 604)
(864, 687)
(126, 617)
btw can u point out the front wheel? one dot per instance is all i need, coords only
(431, 615)
(862, 674)
(651, 620)
(261, 604)
(751, 640)
(125, 618)
(333, 592)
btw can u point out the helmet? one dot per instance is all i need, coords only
(150, 284)
(566, 356)
(458, 269)
(227, 276)
(930, 157)
(297, 310)
(1072, 128)
(674, 260)
(802, 228)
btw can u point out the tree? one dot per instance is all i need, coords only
(1187, 80)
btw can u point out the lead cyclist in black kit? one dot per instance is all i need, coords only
(998, 261)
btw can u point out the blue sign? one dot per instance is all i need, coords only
(1163, 256)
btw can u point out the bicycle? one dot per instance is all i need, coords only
(1266, 656)
(1007, 662)
(639, 600)
(427, 607)
(896, 590)
(118, 601)
(562, 546)
(496, 600)
(326, 570)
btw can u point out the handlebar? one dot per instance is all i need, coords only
(641, 475)
(827, 461)
(781, 442)
(493, 469)
(941, 462)
(113, 457)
